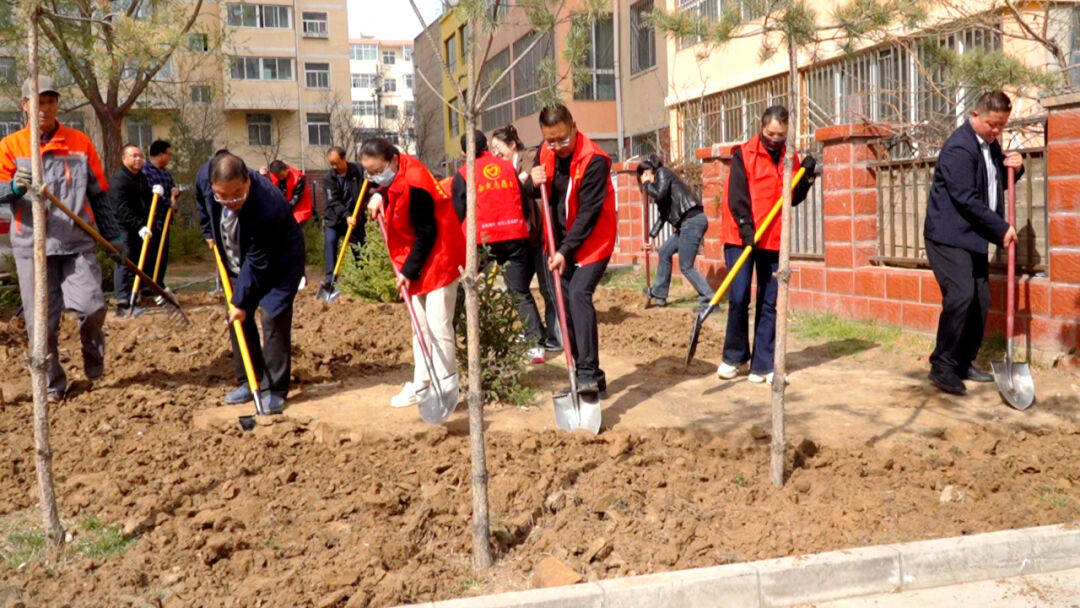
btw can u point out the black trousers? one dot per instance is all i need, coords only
(546, 281)
(578, 284)
(965, 299)
(272, 360)
(123, 278)
(516, 260)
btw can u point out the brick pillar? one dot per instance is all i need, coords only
(628, 200)
(715, 168)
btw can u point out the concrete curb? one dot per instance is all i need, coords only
(791, 581)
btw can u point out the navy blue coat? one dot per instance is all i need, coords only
(958, 210)
(271, 248)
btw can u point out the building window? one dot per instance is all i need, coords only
(258, 15)
(315, 25)
(364, 81)
(450, 46)
(452, 120)
(317, 75)
(642, 38)
(462, 36)
(200, 94)
(10, 122)
(262, 68)
(198, 43)
(499, 110)
(363, 52)
(390, 112)
(7, 70)
(406, 53)
(75, 120)
(410, 109)
(598, 84)
(166, 71)
(363, 108)
(260, 130)
(140, 132)
(389, 57)
(409, 81)
(389, 85)
(318, 129)
(526, 73)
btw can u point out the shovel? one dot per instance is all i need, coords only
(159, 190)
(1013, 379)
(115, 254)
(161, 243)
(331, 294)
(435, 405)
(699, 320)
(572, 411)
(246, 422)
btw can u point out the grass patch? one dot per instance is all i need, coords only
(99, 540)
(1055, 498)
(624, 278)
(22, 546)
(848, 336)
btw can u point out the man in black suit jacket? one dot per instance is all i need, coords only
(965, 212)
(263, 248)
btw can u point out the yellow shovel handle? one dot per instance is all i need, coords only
(145, 244)
(348, 233)
(245, 356)
(757, 237)
(161, 243)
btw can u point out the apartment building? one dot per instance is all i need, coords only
(382, 85)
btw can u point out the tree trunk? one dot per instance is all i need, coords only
(783, 278)
(38, 348)
(112, 139)
(481, 532)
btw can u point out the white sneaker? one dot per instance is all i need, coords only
(727, 372)
(408, 395)
(759, 379)
(303, 283)
(536, 355)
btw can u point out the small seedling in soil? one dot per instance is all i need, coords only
(100, 540)
(739, 480)
(1054, 498)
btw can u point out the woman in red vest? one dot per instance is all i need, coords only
(428, 250)
(755, 183)
(501, 210)
(582, 202)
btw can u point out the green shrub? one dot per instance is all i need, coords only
(368, 274)
(313, 242)
(108, 268)
(186, 243)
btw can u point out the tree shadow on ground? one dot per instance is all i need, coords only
(640, 384)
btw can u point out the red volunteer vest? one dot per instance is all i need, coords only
(601, 241)
(302, 210)
(498, 201)
(448, 254)
(766, 183)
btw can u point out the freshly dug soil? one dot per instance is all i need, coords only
(297, 514)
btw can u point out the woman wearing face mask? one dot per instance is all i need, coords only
(506, 144)
(755, 183)
(427, 249)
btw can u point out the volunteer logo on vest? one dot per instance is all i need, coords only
(492, 171)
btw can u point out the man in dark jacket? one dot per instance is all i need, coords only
(342, 184)
(131, 196)
(263, 248)
(157, 174)
(965, 212)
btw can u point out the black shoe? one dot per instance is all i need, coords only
(947, 381)
(592, 388)
(976, 375)
(654, 299)
(553, 346)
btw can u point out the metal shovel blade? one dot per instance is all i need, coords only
(695, 335)
(437, 402)
(567, 417)
(327, 295)
(246, 422)
(1015, 383)
(589, 414)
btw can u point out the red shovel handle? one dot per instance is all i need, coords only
(405, 294)
(560, 302)
(1010, 293)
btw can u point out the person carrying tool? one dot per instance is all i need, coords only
(342, 184)
(754, 185)
(582, 202)
(506, 144)
(130, 195)
(263, 250)
(158, 175)
(427, 249)
(293, 185)
(501, 210)
(70, 169)
(964, 213)
(679, 207)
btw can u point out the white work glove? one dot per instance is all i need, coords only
(159, 189)
(144, 233)
(21, 181)
(375, 204)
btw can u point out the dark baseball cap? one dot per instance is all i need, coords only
(45, 85)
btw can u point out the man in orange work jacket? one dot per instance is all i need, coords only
(72, 172)
(754, 185)
(582, 209)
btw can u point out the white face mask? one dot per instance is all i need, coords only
(384, 178)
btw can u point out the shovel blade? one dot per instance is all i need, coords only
(431, 409)
(589, 414)
(327, 295)
(1015, 383)
(695, 335)
(567, 417)
(246, 422)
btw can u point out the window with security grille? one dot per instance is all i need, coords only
(642, 38)
(7, 70)
(318, 128)
(599, 83)
(363, 108)
(10, 122)
(317, 75)
(140, 132)
(260, 130)
(315, 25)
(526, 73)
(390, 112)
(389, 85)
(406, 53)
(364, 81)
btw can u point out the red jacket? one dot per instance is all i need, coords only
(766, 182)
(443, 264)
(498, 201)
(601, 241)
(302, 210)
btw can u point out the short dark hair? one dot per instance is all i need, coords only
(651, 162)
(336, 150)
(993, 101)
(481, 142)
(554, 115)
(277, 167)
(159, 146)
(226, 168)
(124, 149)
(379, 146)
(220, 152)
(508, 134)
(778, 113)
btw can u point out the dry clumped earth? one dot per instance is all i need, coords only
(297, 514)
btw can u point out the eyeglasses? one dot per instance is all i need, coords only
(559, 144)
(230, 201)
